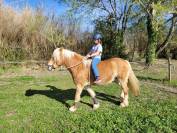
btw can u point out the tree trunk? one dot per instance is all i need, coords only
(152, 38)
(119, 47)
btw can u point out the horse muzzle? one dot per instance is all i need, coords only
(50, 67)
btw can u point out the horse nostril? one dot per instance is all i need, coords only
(50, 67)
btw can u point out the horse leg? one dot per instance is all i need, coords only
(124, 94)
(77, 98)
(93, 95)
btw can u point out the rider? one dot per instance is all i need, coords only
(95, 54)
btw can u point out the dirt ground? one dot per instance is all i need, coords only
(157, 72)
(137, 66)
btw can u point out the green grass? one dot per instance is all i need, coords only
(40, 104)
(173, 83)
(9, 68)
(156, 74)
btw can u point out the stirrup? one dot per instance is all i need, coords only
(97, 81)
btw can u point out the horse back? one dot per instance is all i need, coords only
(113, 67)
(113, 62)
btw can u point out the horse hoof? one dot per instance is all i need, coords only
(121, 99)
(96, 106)
(72, 109)
(122, 105)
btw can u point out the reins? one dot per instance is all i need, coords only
(75, 65)
(78, 65)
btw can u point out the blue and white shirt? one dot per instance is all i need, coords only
(96, 48)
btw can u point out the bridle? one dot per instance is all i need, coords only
(75, 65)
(50, 67)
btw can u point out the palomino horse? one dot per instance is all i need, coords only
(110, 70)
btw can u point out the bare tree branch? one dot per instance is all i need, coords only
(126, 15)
(113, 9)
(168, 37)
(174, 15)
(146, 8)
(104, 7)
(115, 5)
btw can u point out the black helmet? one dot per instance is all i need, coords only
(97, 36)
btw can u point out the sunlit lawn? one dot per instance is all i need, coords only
(40, 104)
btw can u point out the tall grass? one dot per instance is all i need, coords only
(29, 34)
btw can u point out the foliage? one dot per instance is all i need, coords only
(156, 11)
(28, 34)
(113, 16)
(112, 40)
(111, 19)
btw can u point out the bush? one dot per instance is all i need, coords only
(29, 34)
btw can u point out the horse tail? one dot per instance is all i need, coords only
(133, 82)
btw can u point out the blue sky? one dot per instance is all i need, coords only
(48, 5)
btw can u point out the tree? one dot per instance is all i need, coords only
(155, 11)
(168, 37)
(112, 17)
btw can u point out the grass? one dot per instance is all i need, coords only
(173, 83)
(40, 104)
(157, 73)
(10, 69)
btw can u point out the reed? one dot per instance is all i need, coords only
(30, 34)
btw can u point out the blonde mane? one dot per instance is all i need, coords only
(68, 54)
(56, 54)
(64, 52)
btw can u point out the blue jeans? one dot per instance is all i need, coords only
(95, 61)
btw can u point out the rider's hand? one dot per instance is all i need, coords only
(87, 56)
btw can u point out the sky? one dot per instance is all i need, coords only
(49, 6)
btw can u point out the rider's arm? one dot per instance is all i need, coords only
(95, 53)
(90, 52)
(98, 52)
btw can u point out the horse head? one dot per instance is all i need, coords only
(56, 60)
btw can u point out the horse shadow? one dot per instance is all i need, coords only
(151, 78)
(64, 95)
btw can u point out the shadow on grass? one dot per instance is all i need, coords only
(150, 78)
(65, 95)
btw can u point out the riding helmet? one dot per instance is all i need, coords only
(97, 36)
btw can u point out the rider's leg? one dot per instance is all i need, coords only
(95, 61)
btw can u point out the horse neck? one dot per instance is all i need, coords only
(74, 67)
(72, 61)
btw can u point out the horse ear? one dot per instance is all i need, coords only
(61, 48)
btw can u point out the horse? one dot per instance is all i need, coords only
(113, 69)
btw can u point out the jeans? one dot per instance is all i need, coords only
(95, 61)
